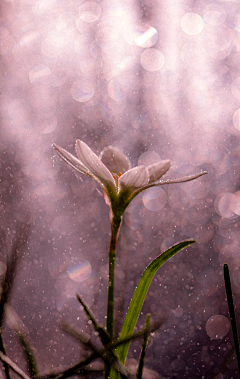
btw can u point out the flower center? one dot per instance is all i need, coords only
(116, 177)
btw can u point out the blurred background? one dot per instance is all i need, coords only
(159, 80)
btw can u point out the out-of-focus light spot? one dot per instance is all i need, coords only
(115, 89)
(133, 218)
(154, 199)
(220, 45)
(226, 204)
(82, 190)
(80, 272)
(171, 83)
(82, 90)
(236, 119)
(142, 35)
(178, 312)
(66, 21)
(65, 286)
(45, 189)
(229, 251)
(203, 82)
(59, 191)
(148, 158)
(152, 59)
(112, 53)
(190, 53)
(230, 229)
(214, 14)
(91, 284)
(51, 46)
(59, 77)
(39, 74)
(192, 23)
(198, 215)
(81, 44)
(111, 108)
(49, 125)
(29, 40)
(148, 37)
(127, 63)
(217, 327)
(42, 7)
(235, 88)
(88, 67)
(235, 205)
(89, 11)
(107, 37)
(23, 11)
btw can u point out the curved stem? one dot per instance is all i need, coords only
(115, 225)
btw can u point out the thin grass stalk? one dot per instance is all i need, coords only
(144, 348)
(231, 309)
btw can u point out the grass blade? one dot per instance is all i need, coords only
(139, 297)
(99, 329)
(231, 309)
(144, 348)
(8, 279)
(13, 366)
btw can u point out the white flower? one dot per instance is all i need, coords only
(112, 170)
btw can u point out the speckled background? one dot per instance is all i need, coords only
(159, 80)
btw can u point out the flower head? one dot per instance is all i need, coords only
(112, 170)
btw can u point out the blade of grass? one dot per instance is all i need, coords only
(29, 355)
(13, 366)
(7, 282)
(71, 370)
(15, 323)
(107, 355)
(144, 348)
(84, 338)
(139, 297)
(99, 329)
(231, 309)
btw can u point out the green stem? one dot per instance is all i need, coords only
(231, 309)
(116, 222)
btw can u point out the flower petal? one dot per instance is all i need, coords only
(91, 161)
(157, 170)
(115, 160)
(71, 160)
(134, 178)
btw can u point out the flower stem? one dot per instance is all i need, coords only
(115, 225)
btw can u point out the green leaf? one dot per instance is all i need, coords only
(139, 373)
(139, 297)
